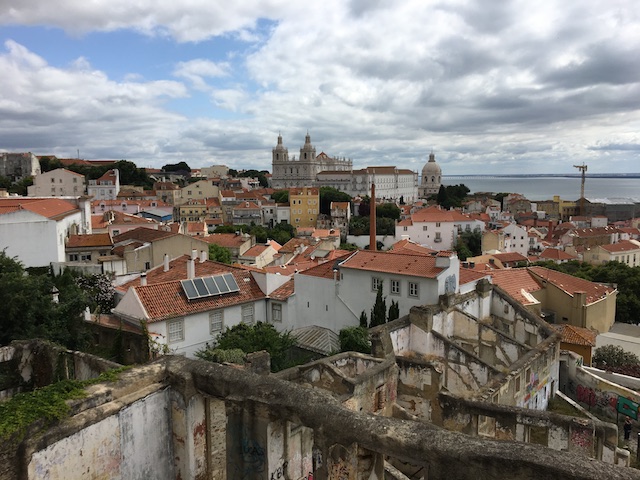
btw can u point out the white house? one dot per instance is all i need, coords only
(35, 229)
(187, 303)
(334, 294)
(436, 228)
(106, 187)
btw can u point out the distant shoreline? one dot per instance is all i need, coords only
(547, 175)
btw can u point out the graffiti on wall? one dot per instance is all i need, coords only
(279, 472)
(582, 438)
(252, 458)
(606, 400)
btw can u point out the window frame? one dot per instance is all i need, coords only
(276, 307)
(212, 316)
(375, 283)
(414, 289)
(244, 314)
(395, 287)
(170, 334)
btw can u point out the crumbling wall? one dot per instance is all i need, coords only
(589, 437)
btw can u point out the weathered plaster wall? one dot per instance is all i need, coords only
(122, 446)
(591, 438)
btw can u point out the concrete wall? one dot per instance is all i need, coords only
(166, 420)
(595, 393)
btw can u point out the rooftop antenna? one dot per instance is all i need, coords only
(583, 169)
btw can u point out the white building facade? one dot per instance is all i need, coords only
(57, 183)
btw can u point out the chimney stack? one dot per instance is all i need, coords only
(372, 219)
(143, 279)
(166, 262)
(203, 256)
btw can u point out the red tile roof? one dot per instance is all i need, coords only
(571, 285)
(51, 208)
(284, 292)
(509, 257)
(467, 275)
(408, 264)
(143, 234)
(515, 281)
(228, 240)
(622, 246)
(167, 300)
(556, 254)
(576, 335)
(94, 240)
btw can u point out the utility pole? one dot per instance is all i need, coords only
(583, 169)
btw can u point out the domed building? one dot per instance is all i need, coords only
(431, 178)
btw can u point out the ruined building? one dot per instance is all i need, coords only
(441, 398)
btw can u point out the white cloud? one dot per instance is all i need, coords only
(544, 84)
(197, 71)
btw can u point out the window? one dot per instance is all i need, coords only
(405, 228)
(175, 330)
(53, 180)
(375, 283)
(424, 228)
(147, 265)
(437, 224)
(73, 257)
(247, 314)
(413, 289)
(216, 322)
(518, 380)
(276, 312)
(395, 287)
(438, 237)
(75, 180)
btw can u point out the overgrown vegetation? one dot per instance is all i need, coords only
(451, 196)
(47, 405)
(29, 310)
(253, 338)
(469, 244)
(355, 339)
(281, 232)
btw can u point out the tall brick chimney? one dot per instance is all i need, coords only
(372, 219)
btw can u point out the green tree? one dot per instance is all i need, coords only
(355, 339)
(379, 310)
(232, 172)
(28, 309)
(49, 163)
(388, 210)
(280, 196)
(218, 253)
(261, 336)
(613, 356)
(394, 311)
(177, 167)
(330, 194)
(364, 321)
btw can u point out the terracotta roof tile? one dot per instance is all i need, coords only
(576, 335)
(404, 264)
(467, 275)
(510, 257)
(517, 282)
(622, 246)
(228, 240)
(284, 292)
(52, 208)
(571, 285)
(143, 234)
(167, 300)
(556, 254)
(94, 240)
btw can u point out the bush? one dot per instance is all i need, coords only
(613, 356)
(355, 339)
(219, 355)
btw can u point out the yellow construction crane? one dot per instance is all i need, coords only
(583, 169)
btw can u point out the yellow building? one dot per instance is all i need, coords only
(304, 203)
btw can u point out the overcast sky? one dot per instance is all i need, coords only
(489, 86)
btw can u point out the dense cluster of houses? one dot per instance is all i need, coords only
(486, 329)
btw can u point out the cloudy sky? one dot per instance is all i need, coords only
(489, 86)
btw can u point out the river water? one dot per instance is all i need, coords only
(545, 187)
